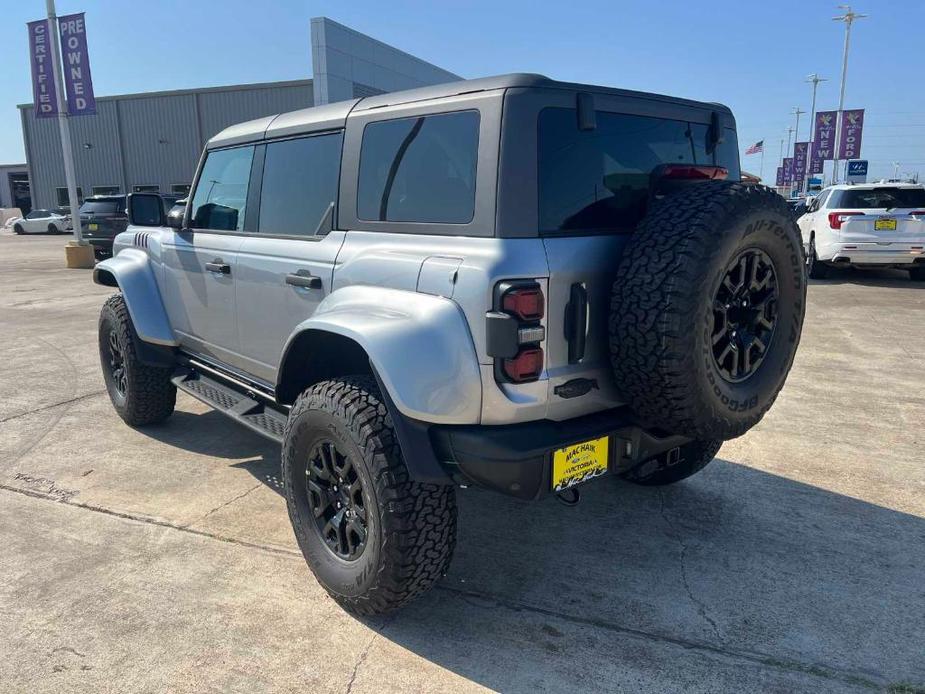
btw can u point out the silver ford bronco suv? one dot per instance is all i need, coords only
(511, 283)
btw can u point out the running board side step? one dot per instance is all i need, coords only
(241, 407)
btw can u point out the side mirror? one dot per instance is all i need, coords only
(175, 216)
(145, 210)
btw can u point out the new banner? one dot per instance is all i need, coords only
(824, 136)
(852, 124)
(800, 152)
(788, 171)
(43, 76)
(77, 82)
(780, 176)
(816, 162)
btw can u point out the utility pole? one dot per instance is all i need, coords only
(848, 18)
(63, 125)
(815, 79)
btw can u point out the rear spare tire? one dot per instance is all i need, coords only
(707, 309)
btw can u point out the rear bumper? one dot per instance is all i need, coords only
(879, 254)
(515, 459)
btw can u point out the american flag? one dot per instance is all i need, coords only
(755, 148)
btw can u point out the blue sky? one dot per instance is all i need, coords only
(752, 56)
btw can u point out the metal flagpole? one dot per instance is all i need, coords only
(815, 79)
(63, 126)
(848, 18)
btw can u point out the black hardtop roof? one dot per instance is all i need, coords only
(330, 116)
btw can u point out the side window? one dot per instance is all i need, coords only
(419, 169)
(820, 201)
(221, 192)
(300, 185)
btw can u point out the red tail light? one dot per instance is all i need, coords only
(526, 366)
(917, 213)
(836, 219)
(695, 173)
(524, 302)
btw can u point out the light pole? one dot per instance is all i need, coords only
(895, 169)
(848, 18)
(815, 79)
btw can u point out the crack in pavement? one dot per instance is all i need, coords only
(679, 538)
(360, 661)
(53, 405)
(221, 506)
(491, 601)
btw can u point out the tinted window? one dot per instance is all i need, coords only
(104, 206)
(221, 192)
(861, 199)
(419, 169)
(38, 214)
(599, 179)
(147, 210)
(300, 185)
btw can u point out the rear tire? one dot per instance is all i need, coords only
(374, 538)
(815, 269)
(917, 274)
(670, 467)
(141, 394)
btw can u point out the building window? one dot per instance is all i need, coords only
(181, 188)
(105, 190)
(419, 169)
(146, 189)
(61, 194)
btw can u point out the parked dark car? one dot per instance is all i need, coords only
(102, 217)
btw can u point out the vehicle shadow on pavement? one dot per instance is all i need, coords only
(212, 434)
(733, 568)
(870, 278)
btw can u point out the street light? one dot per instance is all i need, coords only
(815, 79)
(848, 18)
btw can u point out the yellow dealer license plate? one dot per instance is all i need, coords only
(574, 464)
(884, 225)
(93, 227)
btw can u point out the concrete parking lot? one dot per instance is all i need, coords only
(162, 559)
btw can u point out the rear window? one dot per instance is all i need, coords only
(106, 206)
(866, 199)
(598, 180)
(419, 169)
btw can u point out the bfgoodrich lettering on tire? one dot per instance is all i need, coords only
(707, 309)
(373, 538)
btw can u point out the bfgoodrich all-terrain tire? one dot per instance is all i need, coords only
(373, 538)
(141, 394)
(674, 465)
(707, 309)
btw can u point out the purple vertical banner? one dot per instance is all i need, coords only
(852, 125)
(816, 162)
(788, 171)
(43, 76)
(824, 136)
(780, 176)
(800, 152)
(77, 82)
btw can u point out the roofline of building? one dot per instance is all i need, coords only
(198, 90)
(13, 166)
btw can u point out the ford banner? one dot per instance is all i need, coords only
(43, 77)
(77, 82)
(852, 125)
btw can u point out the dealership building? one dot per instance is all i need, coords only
(150, 142)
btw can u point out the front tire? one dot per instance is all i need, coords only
(17, 229)
(674, 466)
(374, 538)
(141, 394)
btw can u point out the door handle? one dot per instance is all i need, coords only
(218, 266)
(303, 278)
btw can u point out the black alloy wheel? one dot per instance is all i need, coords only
(744, 315)
(335, 497)
(117, 363)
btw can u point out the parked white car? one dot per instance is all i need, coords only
(872, 225)
(43, 222)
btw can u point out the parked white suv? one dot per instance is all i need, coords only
(874, 225)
